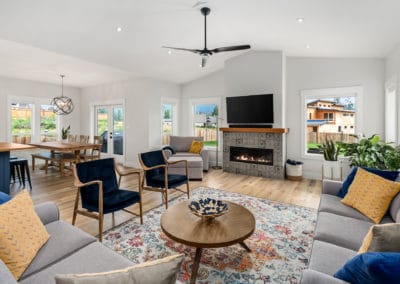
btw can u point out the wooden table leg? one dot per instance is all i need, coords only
(195, 265)
(243, 245)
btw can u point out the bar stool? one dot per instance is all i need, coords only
(21, 166)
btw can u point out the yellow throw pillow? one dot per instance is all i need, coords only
(371, 194)
(22, 233)
(196, 147)
(382, 238)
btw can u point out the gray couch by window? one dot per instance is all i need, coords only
(339, 233)
(197, 163)
(69, 250)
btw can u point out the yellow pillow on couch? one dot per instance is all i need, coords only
(371, 194)
(22, 233)
(196, 147)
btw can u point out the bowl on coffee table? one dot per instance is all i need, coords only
(208, 208)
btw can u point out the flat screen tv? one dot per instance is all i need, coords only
(255, 109)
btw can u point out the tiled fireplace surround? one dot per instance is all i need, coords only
(258, 140)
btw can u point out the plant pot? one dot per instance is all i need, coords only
(332, 170)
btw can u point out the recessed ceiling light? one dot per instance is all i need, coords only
(308, 46)
(300, 20)
(170, 51)
(119, 29)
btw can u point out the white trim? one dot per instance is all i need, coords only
(354, 91)
(175, 114)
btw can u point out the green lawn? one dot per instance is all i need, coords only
(210, 143)
(313, 145)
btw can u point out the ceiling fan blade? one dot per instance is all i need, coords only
(231, 48)
(183, 49)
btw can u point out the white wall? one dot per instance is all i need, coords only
(258, 72)
(316, 73)
(24, 88)
(142, 111)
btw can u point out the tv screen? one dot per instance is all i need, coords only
(250, 109)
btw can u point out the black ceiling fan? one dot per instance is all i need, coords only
(205, 52)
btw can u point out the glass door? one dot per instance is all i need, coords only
(109, 125)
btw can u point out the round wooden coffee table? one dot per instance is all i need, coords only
(182, 226)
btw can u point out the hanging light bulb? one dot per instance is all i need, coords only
(62, 105)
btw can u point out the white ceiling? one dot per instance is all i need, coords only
(79, 38)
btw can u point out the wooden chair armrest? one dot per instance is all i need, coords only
(154, 167)
(80, 184)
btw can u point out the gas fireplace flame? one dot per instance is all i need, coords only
(249, 158)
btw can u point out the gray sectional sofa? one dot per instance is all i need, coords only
(69, 250)
(339, 233)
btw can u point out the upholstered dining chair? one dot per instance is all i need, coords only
(156, 177)
(99, 192)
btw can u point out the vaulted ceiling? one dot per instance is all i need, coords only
(42, 38)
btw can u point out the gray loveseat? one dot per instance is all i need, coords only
(339, 233)
(69, 250)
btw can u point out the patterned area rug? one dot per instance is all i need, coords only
(280, 245)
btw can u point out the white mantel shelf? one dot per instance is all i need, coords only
(255, 130)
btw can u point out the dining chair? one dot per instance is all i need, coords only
(72, 138)
(95, 152)
(156, 176)
(84, 139)
(99, 192)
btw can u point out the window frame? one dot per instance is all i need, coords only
(175, 115)
(206, 101)
(35, 127)
(353, 91)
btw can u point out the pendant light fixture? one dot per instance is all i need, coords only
(62, 105)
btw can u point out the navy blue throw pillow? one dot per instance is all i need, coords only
(390, 175)
(4, 197)
(371, 268)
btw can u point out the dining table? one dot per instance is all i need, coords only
(5, 149)
(60, 146)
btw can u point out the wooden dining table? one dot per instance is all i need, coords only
(5, 149)
(75, 147)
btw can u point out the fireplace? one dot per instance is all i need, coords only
(251, 155)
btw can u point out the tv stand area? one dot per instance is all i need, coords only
(250, 126)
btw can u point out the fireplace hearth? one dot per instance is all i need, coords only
(251, 155)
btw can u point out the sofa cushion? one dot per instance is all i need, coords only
(371, 268)
(340, 230)
(65, 239)
(328, 258)
(4, 197)
(163, 271)
(390, 175)
(331, 203)
(186, 154)
(196, 147)
(382, 238)
(309, 276)
(90, 259)
(193, 162)
(182, 143)
(22, 234)
(371, 194)
(394, 209)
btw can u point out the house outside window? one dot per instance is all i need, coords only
(327, 122)
(205, 117)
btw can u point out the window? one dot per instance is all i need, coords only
(167, 115)
(21, 122)
(205, 122)
(335, 125)
(48, 124)
(31, 120)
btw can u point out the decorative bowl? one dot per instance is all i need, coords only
(208, 208)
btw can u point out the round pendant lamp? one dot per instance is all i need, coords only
(62, 105)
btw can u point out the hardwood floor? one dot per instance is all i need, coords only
(52, 187)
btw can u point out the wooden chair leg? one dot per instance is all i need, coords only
(100, 227)
(187, 188)
(166, 198)
(33, 164)
(119, 181)
(141, 212)
(75, 207)
(46, 166)
(113, 219)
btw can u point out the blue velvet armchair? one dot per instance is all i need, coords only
(99, 192)
(155, 166)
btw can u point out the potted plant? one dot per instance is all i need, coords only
(331, 167)
(371, 152)
(65, 132)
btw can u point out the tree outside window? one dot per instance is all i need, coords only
(167, 122)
